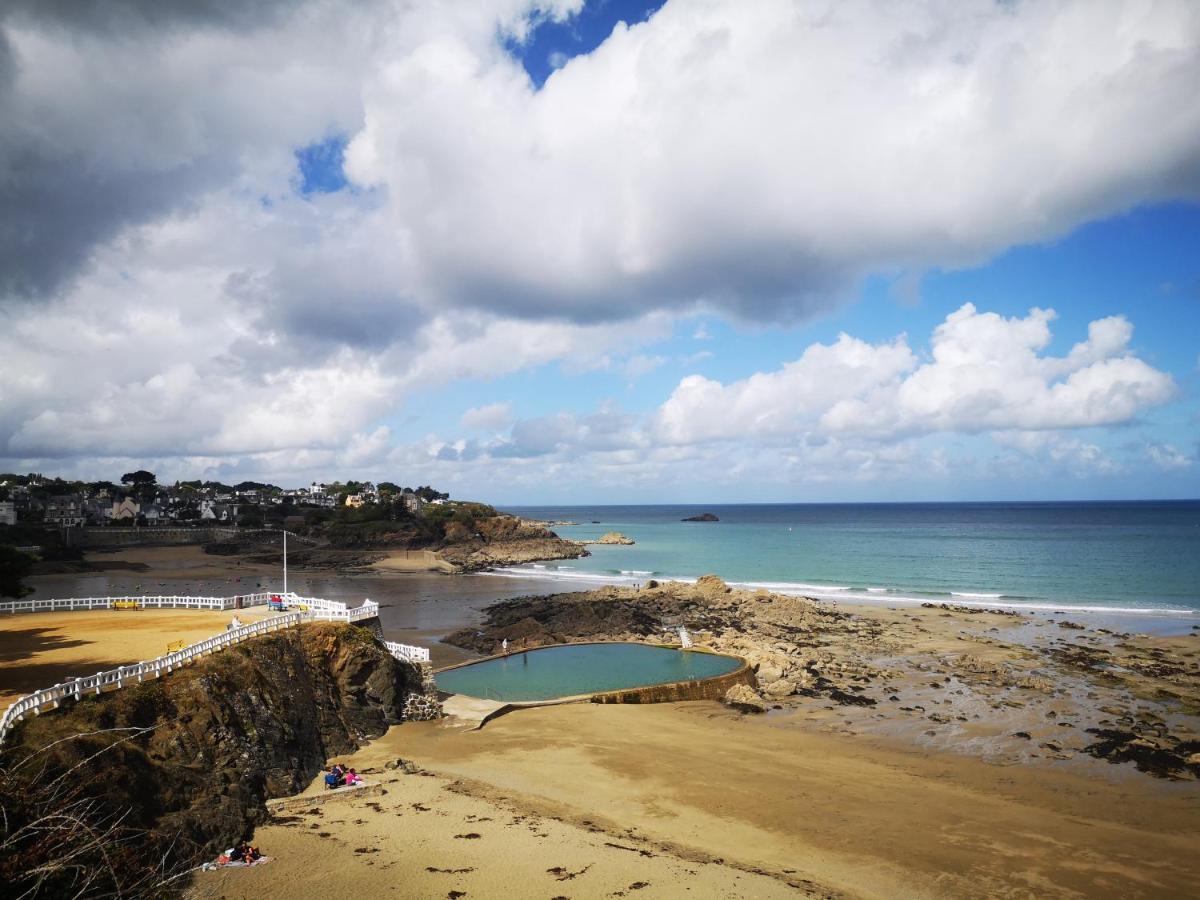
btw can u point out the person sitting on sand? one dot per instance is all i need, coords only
(334, 779)
(352, 778)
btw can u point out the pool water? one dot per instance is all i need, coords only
(570, 669)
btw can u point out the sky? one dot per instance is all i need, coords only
(584, 252)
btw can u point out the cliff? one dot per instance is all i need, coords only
(179, 768)
(504, 541)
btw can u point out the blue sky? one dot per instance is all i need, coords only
(528, 253)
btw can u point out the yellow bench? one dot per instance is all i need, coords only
(176, 645)
(126, 604)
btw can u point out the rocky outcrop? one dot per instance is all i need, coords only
(703, 517)
(612, 537)
(188, 762)
(504, 541)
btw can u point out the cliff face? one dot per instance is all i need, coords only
(189, 760)
(503, 541)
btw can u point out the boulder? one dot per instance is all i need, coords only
(769, 672)
(745, 699)
(712, 584)
(777, 690)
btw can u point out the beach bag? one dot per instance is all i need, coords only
(331, 781)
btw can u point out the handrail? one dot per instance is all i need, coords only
(407, 652)
(153, 601)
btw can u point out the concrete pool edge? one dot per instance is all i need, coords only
(711, 688)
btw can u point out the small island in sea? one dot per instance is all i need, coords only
(702, 517)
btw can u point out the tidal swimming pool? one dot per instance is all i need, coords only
(569, 669)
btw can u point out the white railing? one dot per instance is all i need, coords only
(155, 601)
(407, 652)
(139, 672)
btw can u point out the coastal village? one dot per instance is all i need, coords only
(139, 500)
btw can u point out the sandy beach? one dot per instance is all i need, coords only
(691, 798)
(968, 775)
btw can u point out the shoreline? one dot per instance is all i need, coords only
(1165, 620)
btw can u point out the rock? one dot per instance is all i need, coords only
(777, 690)
(745, 699)
(769, 672)
(712, 584)
(703, 517)
(407, 766)
(612, 537)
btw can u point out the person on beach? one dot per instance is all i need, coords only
(352, 778)
(504, 645)
(336, 777)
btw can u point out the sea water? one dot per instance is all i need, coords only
(1136, 557)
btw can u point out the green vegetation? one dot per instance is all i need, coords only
(14, 567)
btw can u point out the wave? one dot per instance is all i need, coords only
(846, 594)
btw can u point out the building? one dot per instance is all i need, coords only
(8, 512)
(125, 510)
(98, 511)
(64, 511)
(354, 501)
(412, 501)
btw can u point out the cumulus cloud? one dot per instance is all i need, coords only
(759, 156)
(985, 374)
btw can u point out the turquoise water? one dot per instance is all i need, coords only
(1107, 557)
(572, 669)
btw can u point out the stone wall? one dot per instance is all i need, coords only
(102, 536)
(423, 705)
(709, 689)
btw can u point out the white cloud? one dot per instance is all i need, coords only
(757, 156)
(1167, 457)
(640, 364)
(985, 374)
(493, 417)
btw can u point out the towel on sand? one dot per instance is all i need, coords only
(224, 862)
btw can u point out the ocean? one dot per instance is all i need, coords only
(1121, 557)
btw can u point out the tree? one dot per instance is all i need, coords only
(143, 484)
(14, 567)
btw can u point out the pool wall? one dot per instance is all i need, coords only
(713, 688)
(705, 689)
